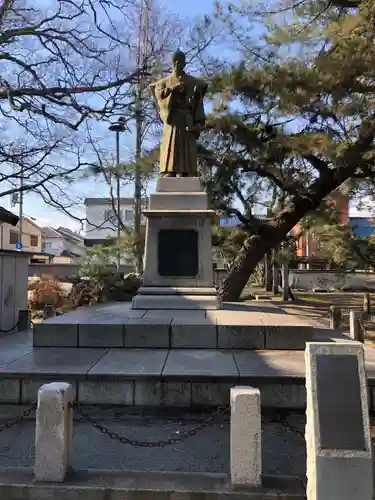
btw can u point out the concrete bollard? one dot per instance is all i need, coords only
(245, 437)
(335, 317)
(53, 435)
(366, 303)
(355, 326)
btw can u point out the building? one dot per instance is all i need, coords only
(63, 243)
(101, 220)
(31, 236)
(307, 244)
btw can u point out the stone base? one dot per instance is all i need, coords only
(177, 301)
(173, 290)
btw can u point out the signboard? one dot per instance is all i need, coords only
(18, 245)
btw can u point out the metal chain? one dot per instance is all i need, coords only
(324, 315)
(10, 329)
(221, 410)
(278, 418)
(18, 419)
(362, 326)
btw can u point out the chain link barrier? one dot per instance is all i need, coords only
(221, 410)
(281, 418)
(12, 328)
(26, 412)
(325, 315)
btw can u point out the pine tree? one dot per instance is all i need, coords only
(295, 118)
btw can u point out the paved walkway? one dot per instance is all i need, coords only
(208, 451)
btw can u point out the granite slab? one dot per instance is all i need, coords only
(240, 337)
(177, 314)
(54, 361)
(235, 317)
(60, 331)
(147, 332)
(102, 330)
(200, 364)
(270, 364)
(15, 346)
(131, 363)
(193, 333)
(122, 311)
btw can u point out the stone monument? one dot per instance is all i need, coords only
(338, 439)
(178, 266)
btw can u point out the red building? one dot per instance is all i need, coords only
(308, 244)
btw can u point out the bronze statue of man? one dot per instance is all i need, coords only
(179, 98)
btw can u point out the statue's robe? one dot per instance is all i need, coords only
(179, 111)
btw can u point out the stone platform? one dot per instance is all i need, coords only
(166, 378)
(165, 359)
(237, 326)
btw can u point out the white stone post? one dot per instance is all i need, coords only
(355, 326)
(54, 429)
(366, 303)
(335, 317)
(245, 437)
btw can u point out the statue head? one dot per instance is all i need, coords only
(178, 62)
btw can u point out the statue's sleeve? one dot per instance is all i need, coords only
(200, 116)
(163, 93)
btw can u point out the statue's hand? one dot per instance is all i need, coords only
(180, 86)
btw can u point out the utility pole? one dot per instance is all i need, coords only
(20, 223)
(118, 127)
(142, 52)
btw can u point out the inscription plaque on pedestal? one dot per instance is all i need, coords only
(339, 402)
(178, 253)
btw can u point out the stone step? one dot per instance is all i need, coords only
(160, 377)
(140, 484)
(221, 329)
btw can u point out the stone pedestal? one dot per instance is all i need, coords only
(178, 267)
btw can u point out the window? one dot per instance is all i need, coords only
(110, 216)
(129, 215)
(34, 240)
(47, 245)
(13, 237)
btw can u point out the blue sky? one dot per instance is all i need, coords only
(44, 215)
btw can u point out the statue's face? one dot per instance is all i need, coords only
(179, 65)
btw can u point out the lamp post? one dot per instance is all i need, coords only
(118, 126)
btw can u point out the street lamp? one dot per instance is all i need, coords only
(118, 126)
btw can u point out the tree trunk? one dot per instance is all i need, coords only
(254, 248)
(273, 231)
(268, 272)
(275, 274)
(285, 280)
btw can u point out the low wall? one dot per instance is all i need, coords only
(65, 270)
(331, 280)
